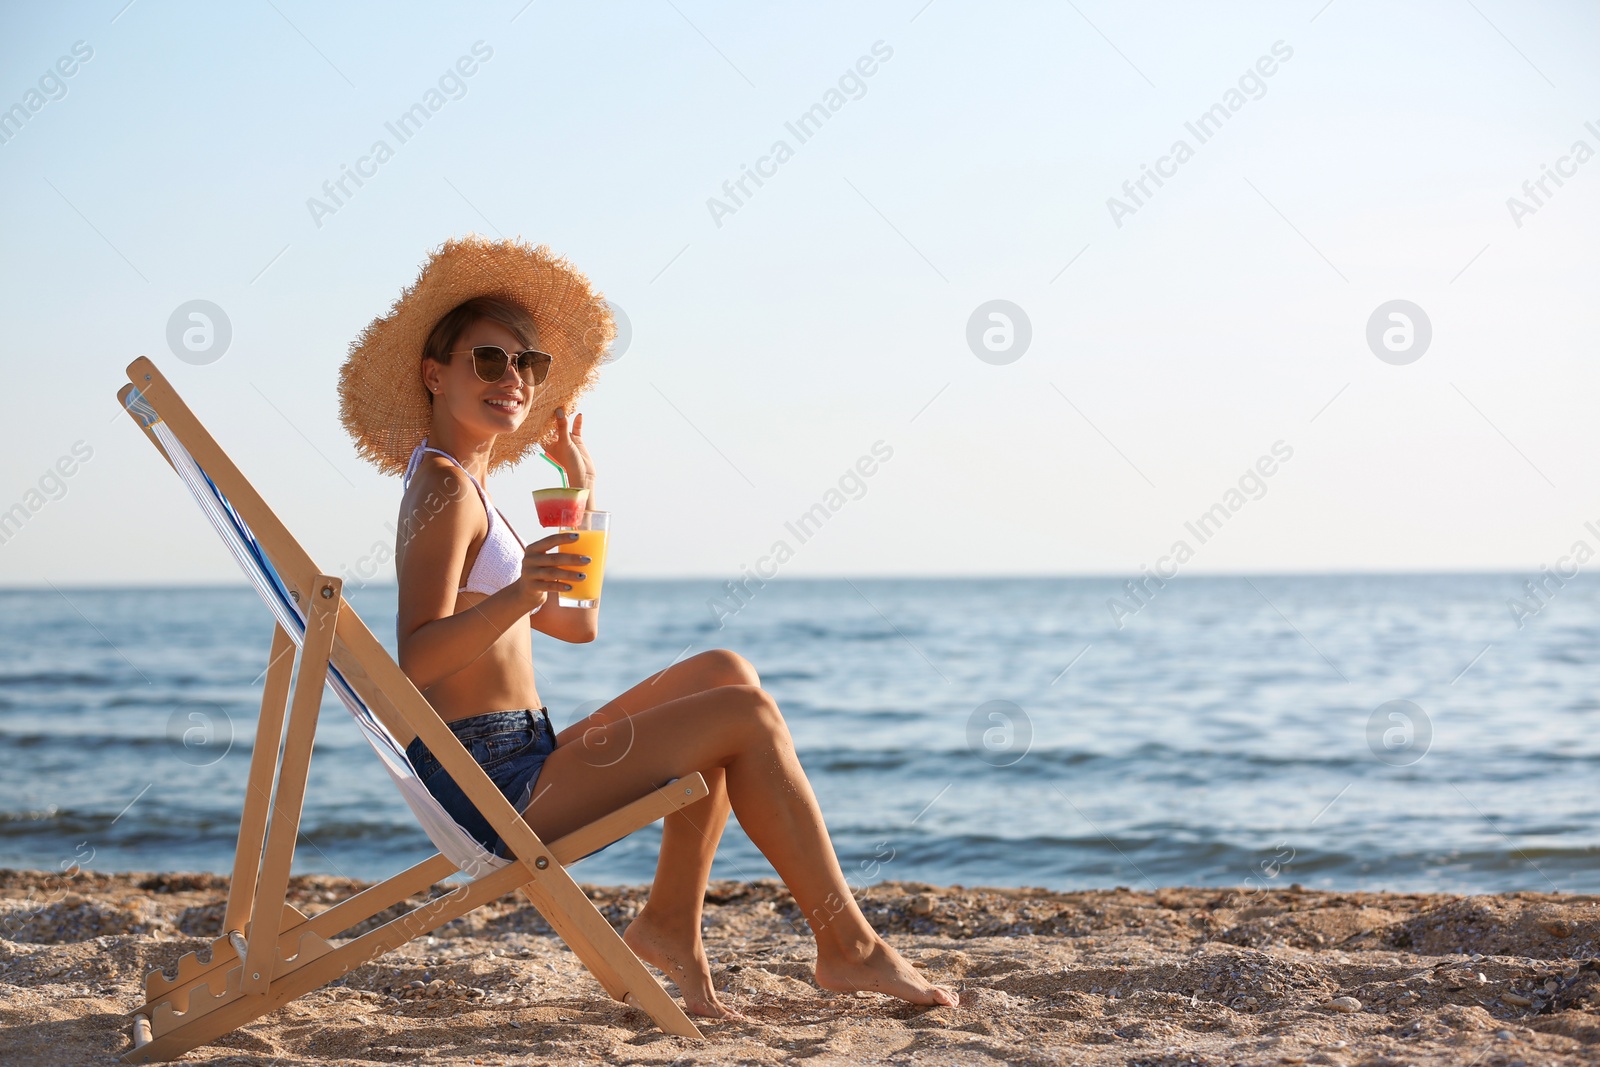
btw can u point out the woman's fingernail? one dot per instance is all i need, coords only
(585, 559)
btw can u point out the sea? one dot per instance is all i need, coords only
(1383, 732)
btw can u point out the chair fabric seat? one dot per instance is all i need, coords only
(447, 836)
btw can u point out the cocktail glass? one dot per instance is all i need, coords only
(593, 528)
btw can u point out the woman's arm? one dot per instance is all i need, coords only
(577, 625)
(435, 640)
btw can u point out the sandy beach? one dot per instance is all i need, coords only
(1178, 976)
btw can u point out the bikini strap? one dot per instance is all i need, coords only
(416, 460)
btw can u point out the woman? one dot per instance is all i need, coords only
(485, 355)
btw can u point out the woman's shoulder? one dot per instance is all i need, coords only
(439, 486)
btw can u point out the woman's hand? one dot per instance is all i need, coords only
(543, 570)
(569, 451)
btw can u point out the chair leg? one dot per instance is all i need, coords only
(258, 788)
(326, 924)
(632, 985)
(322, 616)
(244, 1008)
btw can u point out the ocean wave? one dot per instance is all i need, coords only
(770, 677)
(1219, 766)
(1200, 731)
(54, 679)
(1095, 861)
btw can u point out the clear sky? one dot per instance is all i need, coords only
(1356, 153)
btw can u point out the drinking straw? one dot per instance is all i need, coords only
(559, 468)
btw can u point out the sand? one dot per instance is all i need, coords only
(1179, 976)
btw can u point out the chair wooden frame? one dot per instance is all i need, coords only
(269, 952)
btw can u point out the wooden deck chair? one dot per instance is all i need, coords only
(269, 952)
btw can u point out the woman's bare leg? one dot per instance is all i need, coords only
(739, 729)
(666, 932)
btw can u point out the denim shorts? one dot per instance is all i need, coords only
(511, 747)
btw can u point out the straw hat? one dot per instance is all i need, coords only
(383, 402)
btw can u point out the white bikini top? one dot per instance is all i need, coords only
(499, 561)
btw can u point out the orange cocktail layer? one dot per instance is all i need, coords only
(591, 543)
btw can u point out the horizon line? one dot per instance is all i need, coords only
(1053, 576)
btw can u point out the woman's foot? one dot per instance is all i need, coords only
(879, 968)
(682, 959)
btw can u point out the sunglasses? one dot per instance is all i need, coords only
(489, 361)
